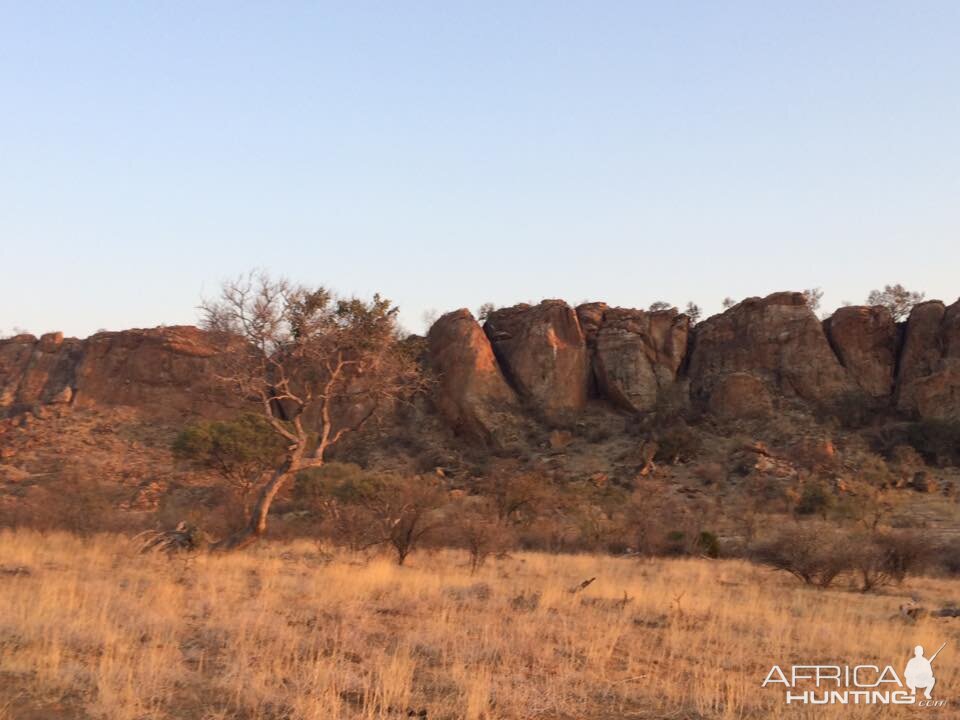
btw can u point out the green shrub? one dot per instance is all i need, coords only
(343, 482)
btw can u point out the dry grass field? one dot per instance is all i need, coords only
(91, 629)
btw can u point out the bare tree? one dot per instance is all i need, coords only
(479, 533)
(483, 312)
(429, 317)
(693, 312)
(316, 366)
(517, 496)
(405, 512)
(897, 299)
(813, 296)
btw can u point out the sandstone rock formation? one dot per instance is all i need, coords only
(472, 396)
(636, 354)
(928, 382)
(162, 370)
(865, 340)
(742, 363)
(777, 340)
(542, 351)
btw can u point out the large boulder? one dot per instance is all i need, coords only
(36, 372)
(928, 382)
(922, 351)
(636, 354)
(865, 340)
(778, 341)
(542, 351)
(472, 396)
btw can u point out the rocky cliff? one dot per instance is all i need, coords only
(163, 371)
(548, 361)
(759, 355)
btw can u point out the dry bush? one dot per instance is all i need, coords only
(905, 552)
(361, 509)
(473, 525)
(657, 522)
(818, 554)
(869, 504)
(518, 496)
(814, 553)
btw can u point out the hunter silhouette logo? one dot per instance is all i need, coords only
(859, 684)
(918, 674)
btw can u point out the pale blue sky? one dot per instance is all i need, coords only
(448, 154)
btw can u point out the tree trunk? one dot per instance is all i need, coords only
(257, 524)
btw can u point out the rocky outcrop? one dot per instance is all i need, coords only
(778, 341)
(15, 356)
(162, 370)
(549, 358)
(472, 395)
(928, 381)
(865, 341)
(542, 351)
(37, 372)
(635, 354)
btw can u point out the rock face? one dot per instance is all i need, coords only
(35, 372)
(549, 358)
(542, 351)
(472, 396)
(928, 382)
(163, 370)
(740, 395)
(636, 354)
(865, 340)
(778, 341)
(590, 316)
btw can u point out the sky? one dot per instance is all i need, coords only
(448, 154)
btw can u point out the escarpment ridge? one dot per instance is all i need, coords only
(549, 360)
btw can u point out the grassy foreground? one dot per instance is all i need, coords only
(90, 629)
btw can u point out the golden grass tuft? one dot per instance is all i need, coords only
(94, 630)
